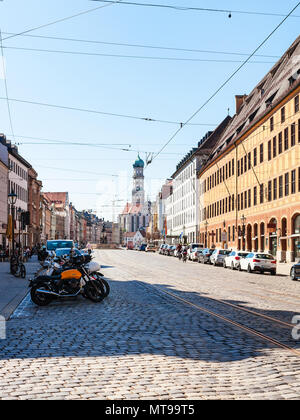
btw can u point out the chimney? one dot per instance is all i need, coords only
(239, 100)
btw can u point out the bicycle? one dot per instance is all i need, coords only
(17, 268)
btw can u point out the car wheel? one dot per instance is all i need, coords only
(273, 272)
(239, 267)
(249, 270)
(232, 266)
(224, 264)
(293, 277)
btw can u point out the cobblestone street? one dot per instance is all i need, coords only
(143, 343)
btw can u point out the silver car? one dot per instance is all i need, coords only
(217, 257)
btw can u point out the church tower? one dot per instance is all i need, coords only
(138, 193)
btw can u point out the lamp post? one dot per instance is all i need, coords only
(206, 224)
(19, 220)
(12, 198)
(243, 220)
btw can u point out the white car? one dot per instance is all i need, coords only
(195, 253)
(191, 248)
(233, 260)
(258, 261)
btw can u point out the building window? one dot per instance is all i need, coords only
(232, 162)
(286, 184)
(283, 115)
(255, 196)
(293, 134)
(269, 150)
(280, 143)
(269, 190)
(275, 189)
(238, 168)
(242, 201)
(293, 182)
(281, 186)
(274, 147)
(261, 153)
(249, 198)
(249, 161)
(238, 202)
(261, 193)
(296, 104)
(255, 157)
(242, 166)
(272, 123)
(286, 138)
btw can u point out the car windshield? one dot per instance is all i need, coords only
(65, 251)
(264, 256)
(53, 245)
(195, 246)
(242, 254)
(224, 252)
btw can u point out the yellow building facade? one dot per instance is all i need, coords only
(250, 188)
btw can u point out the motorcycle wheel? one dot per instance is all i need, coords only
(94, 290)
(104, 283)
(105, 287)
(40, 299)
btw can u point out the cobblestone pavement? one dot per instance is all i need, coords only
(140, 343)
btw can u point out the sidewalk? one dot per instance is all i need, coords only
(14, 289)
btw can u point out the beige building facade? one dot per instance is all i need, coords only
(250, 186)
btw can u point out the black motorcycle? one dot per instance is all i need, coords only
(71, 281)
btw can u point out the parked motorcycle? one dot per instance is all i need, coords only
(72, 278)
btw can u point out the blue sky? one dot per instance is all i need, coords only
(159, 89)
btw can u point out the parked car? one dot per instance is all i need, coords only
(233, 260)
(191, 247)
(171, 250)
(52, 245)
(295, 271)
(61, 252)
(196, 253)
(166, 250)
(217, 257)
(142, 247)
(150, 248)
(161, 248)
(256, 261)
(204, 256)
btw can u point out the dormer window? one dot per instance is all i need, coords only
(270, 99)
(253, 115)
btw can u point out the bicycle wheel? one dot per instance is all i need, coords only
(22, 271)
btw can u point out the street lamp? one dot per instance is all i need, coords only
(243, 220)
(206, 224)
(12, 198)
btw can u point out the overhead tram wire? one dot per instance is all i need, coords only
(111, 3)
(6, 88)
(136, 57)
(157, 47)
(225, 83)
(229, 12)
(148, 119)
